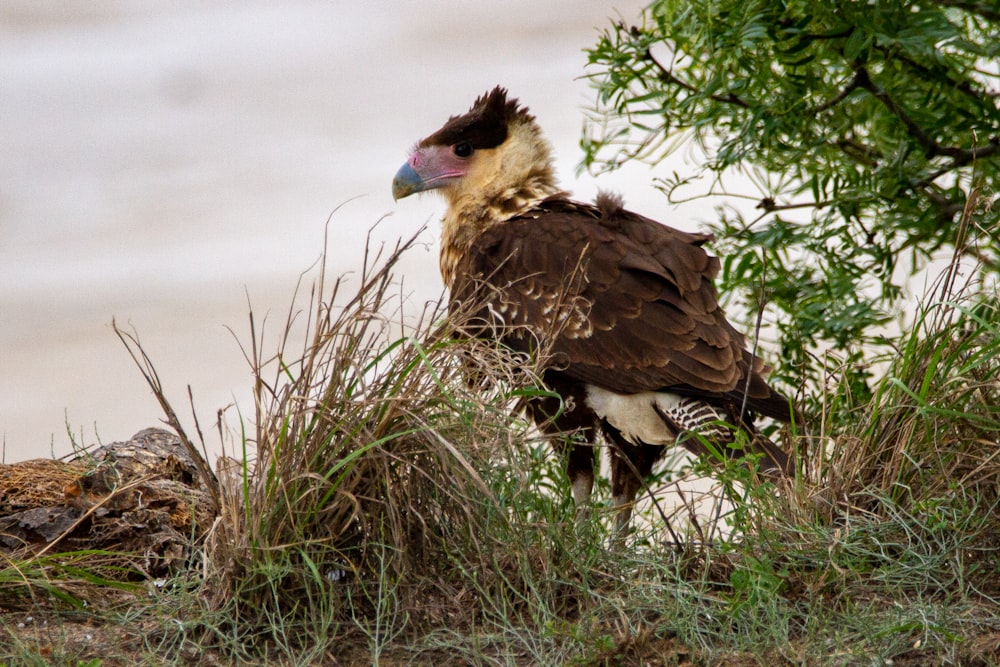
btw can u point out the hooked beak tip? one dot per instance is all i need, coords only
(406, 182)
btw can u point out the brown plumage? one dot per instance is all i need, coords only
(625, 306)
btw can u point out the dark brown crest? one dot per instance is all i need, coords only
(484, 126)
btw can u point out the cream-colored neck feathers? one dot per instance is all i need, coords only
(501, 183)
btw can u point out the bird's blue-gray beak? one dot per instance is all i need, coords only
(406, 182)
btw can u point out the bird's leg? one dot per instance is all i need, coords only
(625, 484)
(630, 465)
(580, 469)
(573, 435)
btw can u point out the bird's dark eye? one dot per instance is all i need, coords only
(463, 149)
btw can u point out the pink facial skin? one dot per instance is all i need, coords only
(427, 168)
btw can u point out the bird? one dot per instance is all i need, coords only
(638, 348)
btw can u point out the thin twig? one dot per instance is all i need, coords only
(667, 76)
(145, 365)
(852, 85)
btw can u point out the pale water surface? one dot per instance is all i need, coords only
(159, 162)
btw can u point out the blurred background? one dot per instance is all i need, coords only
(171, 165)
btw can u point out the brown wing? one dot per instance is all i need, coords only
(624, 302)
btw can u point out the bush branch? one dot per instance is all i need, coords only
(667, 76)
(932, 148)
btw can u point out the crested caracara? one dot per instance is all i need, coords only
(637, 344)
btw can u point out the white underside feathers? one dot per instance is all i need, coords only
(638, 416)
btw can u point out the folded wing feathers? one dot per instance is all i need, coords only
(629, 303)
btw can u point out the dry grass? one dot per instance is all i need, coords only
(366, 497)
(931, 432)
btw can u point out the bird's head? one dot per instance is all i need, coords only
(492, 156)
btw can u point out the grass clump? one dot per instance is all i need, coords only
(387, 486)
